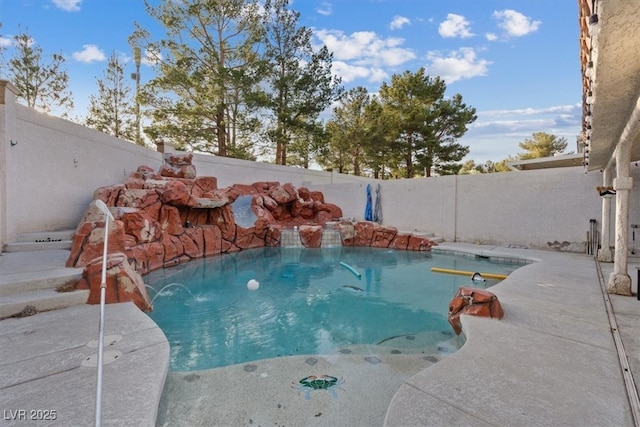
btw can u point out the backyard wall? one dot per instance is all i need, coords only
(547, 209)
(50, 167)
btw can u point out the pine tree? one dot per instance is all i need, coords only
(205, 65)
(299, 80)
(542, 144)
(112, 109)
(41, 85)
(348, 129)
(426, 125)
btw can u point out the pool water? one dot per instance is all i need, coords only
(307, 303)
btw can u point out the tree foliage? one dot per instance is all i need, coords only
(112, 110)
(542, 144)
(358, 136)
(204, 68)
(298, 80)
(470, 167)
(41, 84)
(424, 123)
(378, 153)
(349, 132)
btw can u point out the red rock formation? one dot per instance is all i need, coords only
(400, 241)
(88, 239)
(473, 301)
(178, 165)
(311, 235)
(123, 282)
(347, 233)
(164, 220)
(417, 243)
(284, 194)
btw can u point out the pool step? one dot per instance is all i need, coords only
(60, 239)
(20, 283)
(33, 279)
(41, 300)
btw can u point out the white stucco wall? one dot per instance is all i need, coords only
(49, 174)
(529, 208)
(233, 171)
(54, 167)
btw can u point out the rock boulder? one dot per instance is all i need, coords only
(473, 301)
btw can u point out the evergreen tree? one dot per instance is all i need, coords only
(378, 152)
(426, 125)
(205, 64)
(335, 156)
(503, 165)
(112, 110)
(299, 81)
(348, 129)
(41, 85)
(542, 144)
(471, 168)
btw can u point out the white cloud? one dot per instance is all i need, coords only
(515, 24)
(378, 75)
(348, 72)
(5, 42)
(325, 8)
(460, 64)
(455, 26)
(365, 48)
(557, 109)
(89, 53)
(398, 22)
(364, 54)
(491, 37)
(68, 5)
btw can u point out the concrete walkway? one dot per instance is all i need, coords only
(551, 360)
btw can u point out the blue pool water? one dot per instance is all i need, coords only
(307, 302)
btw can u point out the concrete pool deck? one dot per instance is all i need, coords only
(552, 360)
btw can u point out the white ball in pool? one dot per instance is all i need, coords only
(253, 284)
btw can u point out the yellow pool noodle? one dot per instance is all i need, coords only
(468, 273)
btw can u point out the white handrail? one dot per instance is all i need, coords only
(103, 289)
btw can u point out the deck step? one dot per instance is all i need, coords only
(41, 300)
(36, 246)
(426, 235)
(19, 283)
(41, 240)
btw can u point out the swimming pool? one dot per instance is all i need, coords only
(309, 301)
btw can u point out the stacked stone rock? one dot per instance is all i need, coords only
(475, 302)
(166, 218)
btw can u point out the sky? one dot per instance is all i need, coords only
(515, 61)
